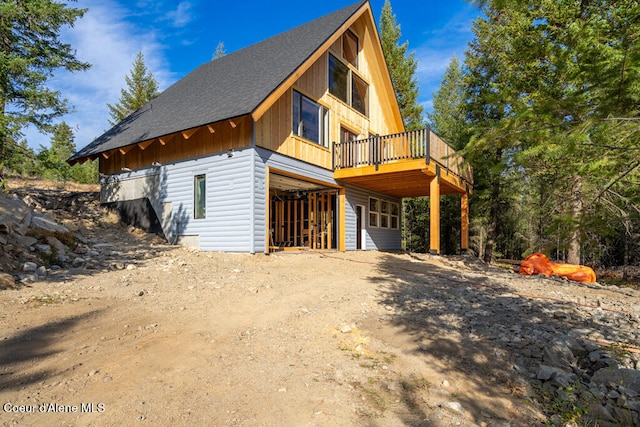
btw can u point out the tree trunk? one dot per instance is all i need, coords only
(573, 254)
(494, 211)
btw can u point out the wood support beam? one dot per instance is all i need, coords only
(125, 150)
(211, 129)
(164, 140)
(464, 229)
(186, 134)
(434, 214)
(144, 144)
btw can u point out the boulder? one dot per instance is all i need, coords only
(629, 378)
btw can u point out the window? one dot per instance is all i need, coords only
(359, 95)
(395, 216)
(347, 135)
(345, 85)
(384, 214)
(199, 197)
(338, 79)
(350, 48)
(310, 120)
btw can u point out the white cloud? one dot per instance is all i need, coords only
(107, 41)
(181, 16)
(436, 52)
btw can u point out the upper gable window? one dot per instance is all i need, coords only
(350, 48)
(347, 86)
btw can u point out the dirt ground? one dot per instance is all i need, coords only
(174, 336)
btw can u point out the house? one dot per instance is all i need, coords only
(294, 142)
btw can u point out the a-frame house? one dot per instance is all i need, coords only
(295, 142)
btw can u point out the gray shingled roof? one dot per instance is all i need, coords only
(231, 86)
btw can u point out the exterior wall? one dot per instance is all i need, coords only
(375, 238)
(229, 221)
(236, 198)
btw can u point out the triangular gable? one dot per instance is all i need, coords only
(382, 70)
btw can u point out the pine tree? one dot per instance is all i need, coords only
(220, 51)
(52, 160)
(141, 88)
(563, 77)
(402, 68)
(30, 52)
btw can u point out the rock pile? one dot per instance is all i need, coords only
(34, 242)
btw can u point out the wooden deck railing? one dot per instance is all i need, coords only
(418, 144)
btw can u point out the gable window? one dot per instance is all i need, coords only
(350, 48)
(359, 95)
(199, 196)
(348, 87)
(338, 79)
(310, 120)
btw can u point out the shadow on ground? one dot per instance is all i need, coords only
(31, 346)
(473, 324)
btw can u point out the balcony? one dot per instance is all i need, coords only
(408, 164)
(402, 165)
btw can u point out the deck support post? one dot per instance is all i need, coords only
(434, 213)
(464, 229)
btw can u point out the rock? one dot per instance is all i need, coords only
(629, 378)
(557, 353)
(45, 249)
(453, 406)
(29, 267)
(15, 215)
(56, 244)
(44, 224)
(7, 281)
(41, 271)
(345, 329)
(78, 262)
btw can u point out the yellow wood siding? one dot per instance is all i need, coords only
(274, 128)
(202, 141)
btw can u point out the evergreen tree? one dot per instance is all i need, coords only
(30, 52)
(220, 51)
(20, 159)
(141, 88)
(563, 77)
(448, 117)
(402, 68)
(52, 160)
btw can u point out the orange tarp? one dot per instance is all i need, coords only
(539, 264)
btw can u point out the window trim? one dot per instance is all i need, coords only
(197, 196)
(323, 119)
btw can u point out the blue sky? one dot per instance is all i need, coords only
(178, 36)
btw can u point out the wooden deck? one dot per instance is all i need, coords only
(402, 165)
